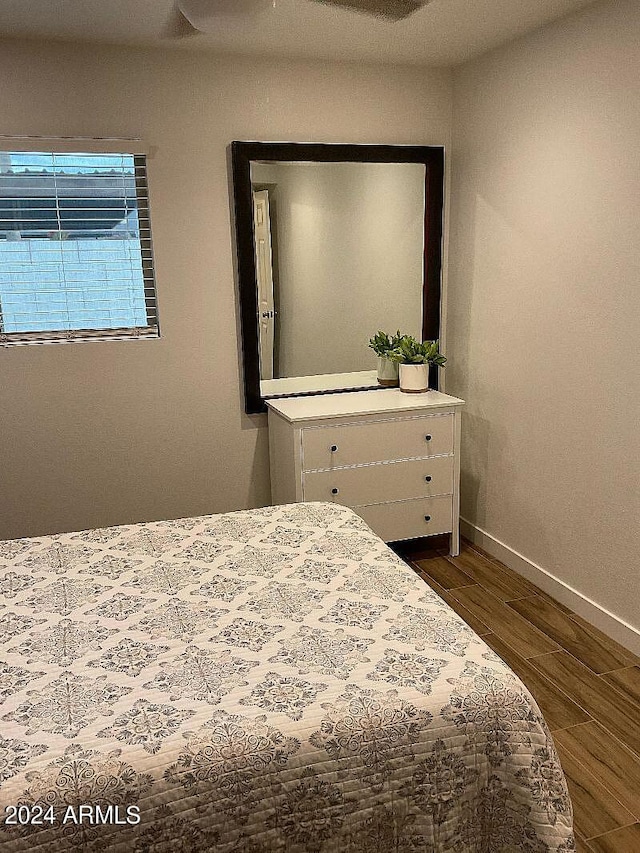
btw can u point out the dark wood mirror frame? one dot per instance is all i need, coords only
(243, 153)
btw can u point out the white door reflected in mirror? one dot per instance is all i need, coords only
(264, 276)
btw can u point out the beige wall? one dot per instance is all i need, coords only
(544, 298)
(110, 432)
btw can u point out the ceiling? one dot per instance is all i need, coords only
(445, 32)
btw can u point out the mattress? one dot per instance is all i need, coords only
(269, 680)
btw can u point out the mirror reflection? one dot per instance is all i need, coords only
(339, 254)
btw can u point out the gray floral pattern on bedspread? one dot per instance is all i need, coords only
(268, 680)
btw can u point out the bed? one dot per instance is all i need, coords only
(268, 680)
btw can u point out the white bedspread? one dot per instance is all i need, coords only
(269, 680)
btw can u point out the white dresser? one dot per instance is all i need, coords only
(393, 457)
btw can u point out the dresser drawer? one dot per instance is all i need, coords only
(356, 444)
(408, 519)
(385, 481)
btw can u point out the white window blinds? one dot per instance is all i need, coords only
(75, 247)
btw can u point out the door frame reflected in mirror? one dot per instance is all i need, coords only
(243, 153)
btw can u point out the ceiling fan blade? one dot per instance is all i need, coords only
(178, 26)
(202, 14)
(390, 10)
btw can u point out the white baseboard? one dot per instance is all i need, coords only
(612, 625)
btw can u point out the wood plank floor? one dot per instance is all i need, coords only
(587, 685)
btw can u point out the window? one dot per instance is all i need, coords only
(75, 247)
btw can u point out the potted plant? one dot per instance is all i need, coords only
(382, 344)
(414, 359)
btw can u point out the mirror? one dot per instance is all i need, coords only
(333, 243)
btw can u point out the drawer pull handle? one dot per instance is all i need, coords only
(427, 437)
(334, 491)
(428, 478)
(333, 448)
(427, 518)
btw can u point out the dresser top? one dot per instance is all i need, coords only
(344, 405)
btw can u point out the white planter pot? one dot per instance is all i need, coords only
(414, 378)
(387, 372)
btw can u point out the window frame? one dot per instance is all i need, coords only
(85, 146)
